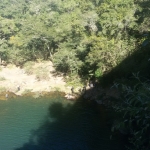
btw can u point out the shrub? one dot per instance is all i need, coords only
(135, 108)
(28, 66)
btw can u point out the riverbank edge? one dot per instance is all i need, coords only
(16, 81)
(11, 75)
(98, 94)
(6, 95)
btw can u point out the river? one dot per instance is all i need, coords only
(54, 123)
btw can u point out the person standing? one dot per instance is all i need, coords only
(6, 96)
(72, 90)
(18, 87)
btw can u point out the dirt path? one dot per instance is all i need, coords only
(16, 80)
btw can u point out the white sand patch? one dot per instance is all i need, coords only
(12, 77)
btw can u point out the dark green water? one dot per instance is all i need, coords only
(55, 124)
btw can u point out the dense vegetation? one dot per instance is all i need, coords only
(88, 37)
(105, 39)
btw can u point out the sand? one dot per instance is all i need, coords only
(15, 79)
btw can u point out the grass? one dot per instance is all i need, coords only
(28, 67)
(74, 81)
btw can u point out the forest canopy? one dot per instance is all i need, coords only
(80, 37)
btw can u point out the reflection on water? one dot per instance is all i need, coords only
(55, 124)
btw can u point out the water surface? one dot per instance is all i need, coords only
(55, 124)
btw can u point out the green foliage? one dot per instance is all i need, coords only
(98, 73)
(134, 106)
(28, 67)
(77, 36)
(66, 61)
(74, 81)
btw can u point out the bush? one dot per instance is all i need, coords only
(28, 66)
(74, 80)
(98, 73)
(134, 105)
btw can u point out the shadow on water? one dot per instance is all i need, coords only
(80, 126)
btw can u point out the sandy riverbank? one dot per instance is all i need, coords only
(12, 77)
(37, 79)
